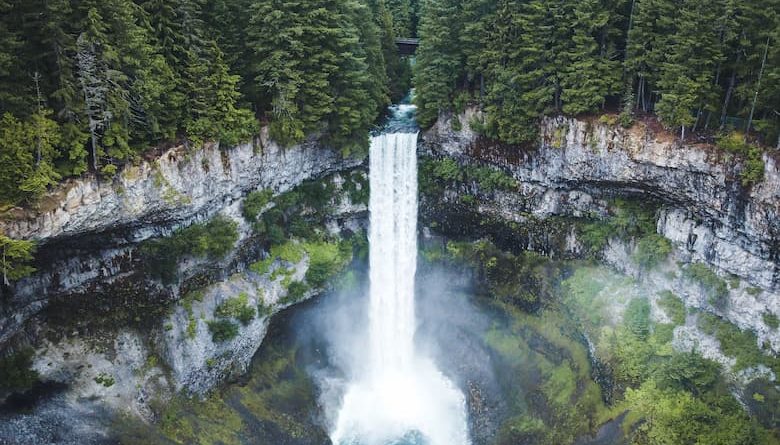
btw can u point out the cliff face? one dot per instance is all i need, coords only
(87, 229)
(706, 213)
(120, 337)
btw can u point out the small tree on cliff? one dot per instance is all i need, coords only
(15, 256)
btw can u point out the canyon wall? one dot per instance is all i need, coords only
(582, 164)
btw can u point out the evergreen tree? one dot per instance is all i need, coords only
(402, 13)
(592, 70)
(686, 75)
(438, 60)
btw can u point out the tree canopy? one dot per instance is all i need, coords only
(87, 85)
(696, 64)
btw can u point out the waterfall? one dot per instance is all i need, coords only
(393, 242)
(402, 398)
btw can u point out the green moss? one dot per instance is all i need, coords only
(15, 371)
(673, 306)
(715, 286)
(771, 320)
(222, 330)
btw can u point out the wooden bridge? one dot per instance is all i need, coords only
(407, 47)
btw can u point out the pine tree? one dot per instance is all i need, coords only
(592, 71)
(685, 81)
(523, 82)
(401, 10)
(438, 60)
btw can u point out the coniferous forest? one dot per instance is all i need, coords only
(87, 85)
(699, 65)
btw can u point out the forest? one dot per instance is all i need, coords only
(87, 85)
(698, 65)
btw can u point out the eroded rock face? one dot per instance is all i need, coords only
(86, 230)
(706, 212)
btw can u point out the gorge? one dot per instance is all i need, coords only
(224, 223)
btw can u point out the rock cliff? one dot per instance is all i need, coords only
(707, 214)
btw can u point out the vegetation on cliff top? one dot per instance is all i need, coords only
(90, 85)
(697, 64)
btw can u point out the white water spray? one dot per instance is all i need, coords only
(402, 398)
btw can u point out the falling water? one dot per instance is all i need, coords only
(401, 398)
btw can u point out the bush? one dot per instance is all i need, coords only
(651, 250)
(222, 330)
(447, 169)
(637, 317)
(714, 285)
(490, 178)
(255, 202)
(296, 290)
(238, 308)
(326, 259)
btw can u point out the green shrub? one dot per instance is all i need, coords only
(255, 202)
(753, 165)
(673, 306)
(716, 287)
(447, 169)
(490, 178)
(238, 308)
(222, 330)
(455, 124)
(213, 239)
(627, 219)
(296, 290)
(357, 187)
(104, 379)
(325, 260)
(651, 250)
(16, 373)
